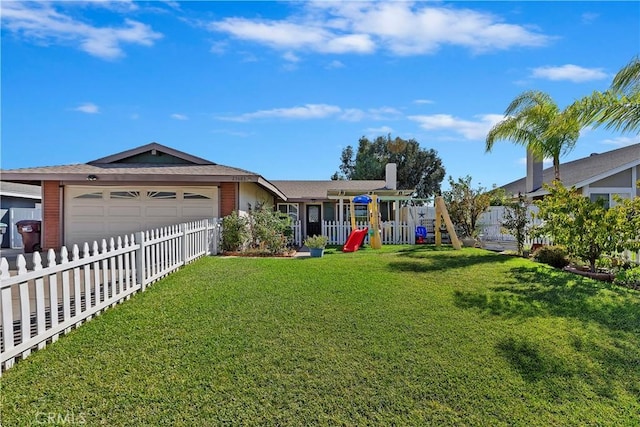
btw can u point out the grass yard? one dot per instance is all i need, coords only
(400, 336)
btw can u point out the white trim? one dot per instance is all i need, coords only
(631, 165)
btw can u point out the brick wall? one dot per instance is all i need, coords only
(51, 215)
(228, 198)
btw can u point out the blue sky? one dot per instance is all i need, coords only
(280, 88)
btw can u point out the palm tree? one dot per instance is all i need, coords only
(534, 120)
(617, 108)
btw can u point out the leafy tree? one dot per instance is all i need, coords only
(417, 168)
(587, 229)
(465, 204)
(517, 220)
(535, 121)
(617, 108)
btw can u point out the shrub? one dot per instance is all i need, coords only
(318, 242)
(270, 231)
(234, 232)
(553, 255)
(629, 278)
(587, 229)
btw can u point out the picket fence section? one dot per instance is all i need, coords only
(392, 232)
(39, 305)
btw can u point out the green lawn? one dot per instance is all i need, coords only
(400, 336)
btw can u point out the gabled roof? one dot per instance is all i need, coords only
(151, 163)
(584, 171)
(322, 190)
(25, 191)
(149, 153)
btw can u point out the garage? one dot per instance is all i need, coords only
(94, 213)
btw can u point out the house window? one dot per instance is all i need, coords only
(609, 198)
(361, 212)
(290, 209)
(124, 195)
(600, 196)
(166, 195)
(195, 196)
(97, 195)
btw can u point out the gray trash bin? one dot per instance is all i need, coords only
(29, 229)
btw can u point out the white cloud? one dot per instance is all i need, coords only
(353, 115)
(472, 130)
(423, 101)
(291, 57)
(218, 47)
(41, 21)
(622, 141)
(401, 28)
(570, 72)
(381, 130)
(589, 17)
(88, 108)
(317, 111)
(335, 64)
(307, 111)
(178, 116)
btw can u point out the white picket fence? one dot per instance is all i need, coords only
(39, 305)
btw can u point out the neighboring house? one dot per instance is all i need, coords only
(153, 186)
(601, 175)
(17, 201)
(139, 189)
(313, 202)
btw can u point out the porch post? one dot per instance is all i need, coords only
(396, 232)
(341, 220)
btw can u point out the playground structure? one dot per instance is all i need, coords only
(443, 213)
(357, 236)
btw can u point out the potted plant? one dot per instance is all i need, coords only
(316, 245)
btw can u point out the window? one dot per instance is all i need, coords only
(361, 212)
(600, 196)
(609, 198)
(97, 195)
(124, 195)
(166, 195)
(290, 209)
(195, 196)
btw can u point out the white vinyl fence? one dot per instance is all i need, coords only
(39, 305)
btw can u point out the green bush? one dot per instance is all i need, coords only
(234, 232)
(318, 242)
(553, 255)
(269, 230)
(629, 278)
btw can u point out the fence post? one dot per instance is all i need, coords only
(141, 276)
(210, 240)
(183, 242)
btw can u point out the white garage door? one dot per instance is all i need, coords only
(93, 214)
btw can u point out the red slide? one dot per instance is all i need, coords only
(355, 240)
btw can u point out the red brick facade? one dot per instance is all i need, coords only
(228, 198)
(51, 215)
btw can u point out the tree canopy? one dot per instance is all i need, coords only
(617, 108)
(535, 121)
(418, 168)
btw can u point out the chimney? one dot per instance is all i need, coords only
(391, 176)
(534, 172)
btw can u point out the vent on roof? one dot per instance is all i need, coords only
(593, 154)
